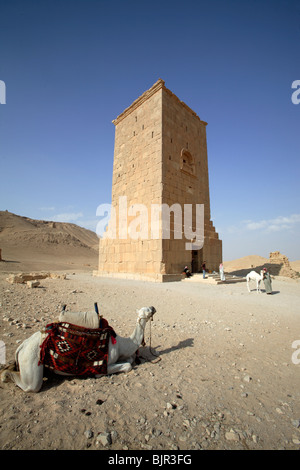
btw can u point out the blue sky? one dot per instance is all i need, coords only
(72, 66)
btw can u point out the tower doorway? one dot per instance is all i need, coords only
(197, 260)
(195, 266)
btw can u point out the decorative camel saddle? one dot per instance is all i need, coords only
(76, 350)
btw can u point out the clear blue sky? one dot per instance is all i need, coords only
(72, 66)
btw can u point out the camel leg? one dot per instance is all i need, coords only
(248, 286)
(119, 367)
(30, 375)
(8, 372)
(24, 381)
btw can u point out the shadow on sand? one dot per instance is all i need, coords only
(274, 269)
(147, 354)
(9, 261)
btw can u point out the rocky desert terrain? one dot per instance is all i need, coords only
(220, 369)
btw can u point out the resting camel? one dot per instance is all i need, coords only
(121, 354)
(254, 276)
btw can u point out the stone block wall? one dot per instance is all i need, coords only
(160, 157)
(137, 174)
(186, 180)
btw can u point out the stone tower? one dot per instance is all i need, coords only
(160, 158)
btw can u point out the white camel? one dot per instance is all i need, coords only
(29, 374)
(254, 276)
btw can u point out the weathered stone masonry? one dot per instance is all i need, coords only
(160, 157)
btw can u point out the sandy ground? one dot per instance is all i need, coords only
(225, 378)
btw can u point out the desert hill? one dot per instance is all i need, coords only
(15, 228)
(295, 265)
(56, 244)
(247, 262)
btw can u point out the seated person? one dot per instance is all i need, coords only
(187, 272)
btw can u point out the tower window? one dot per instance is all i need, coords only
(187, 162)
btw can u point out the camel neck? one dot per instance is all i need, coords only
(138, 334)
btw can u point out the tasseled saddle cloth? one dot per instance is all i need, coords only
(77, 350)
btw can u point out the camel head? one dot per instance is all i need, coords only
(146, 313)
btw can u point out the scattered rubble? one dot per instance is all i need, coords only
(32, 284)
(104, 439)
(219, 385)
(23, 278)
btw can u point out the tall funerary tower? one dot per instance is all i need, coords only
(160, 167)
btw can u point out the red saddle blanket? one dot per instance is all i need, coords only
(76, 350)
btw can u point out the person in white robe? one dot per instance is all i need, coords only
(221, 271)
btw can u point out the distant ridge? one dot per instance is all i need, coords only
(16, 229)
(54, 243)
(245, 263)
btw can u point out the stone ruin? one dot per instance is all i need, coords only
(32, 279)
(279, 265)
(160, 158)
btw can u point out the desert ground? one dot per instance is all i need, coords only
(218, 370)
(224, 378)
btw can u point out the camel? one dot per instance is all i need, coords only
(29, 374)
(254, 276)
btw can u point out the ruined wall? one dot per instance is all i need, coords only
(279, 265)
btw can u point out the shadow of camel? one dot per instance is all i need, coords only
(187, 343)
(147, 354)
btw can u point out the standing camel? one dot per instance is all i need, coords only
(29, 373)
(254, 276)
